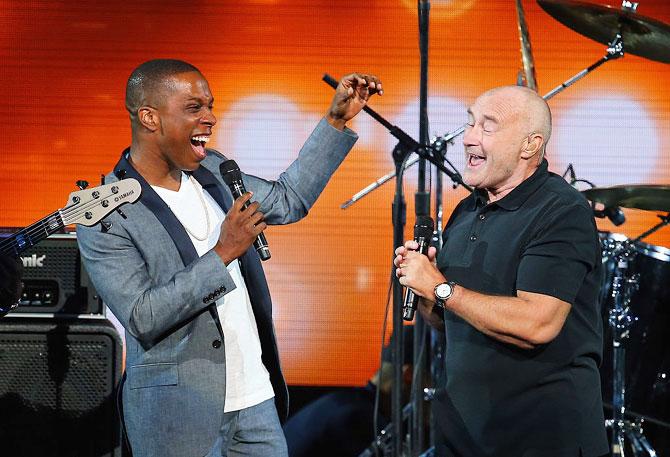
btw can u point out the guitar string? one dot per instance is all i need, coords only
(74, 210)
(10, 241)
(39, 228)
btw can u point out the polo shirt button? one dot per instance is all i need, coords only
(216, 344)
(473, 237)
(482, 217)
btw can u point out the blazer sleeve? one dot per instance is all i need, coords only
(148, 310)
(289, 198)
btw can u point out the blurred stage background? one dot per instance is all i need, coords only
(64, 64)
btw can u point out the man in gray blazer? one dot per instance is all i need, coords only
(179, 271)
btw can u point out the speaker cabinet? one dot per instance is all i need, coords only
(55, 281)
(58, 380)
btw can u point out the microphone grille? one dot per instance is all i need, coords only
(230, 172)
(423, 227)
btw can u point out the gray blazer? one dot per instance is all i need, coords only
(147, 271)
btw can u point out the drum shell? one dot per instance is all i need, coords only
(647, 361)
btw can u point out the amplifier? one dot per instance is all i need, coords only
(55, 281)
(58, 382)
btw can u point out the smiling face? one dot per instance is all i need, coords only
(499, 141)
(185, 120)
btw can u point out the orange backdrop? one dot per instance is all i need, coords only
(63, 67)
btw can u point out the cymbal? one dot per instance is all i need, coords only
(649, 197)
(642, 36)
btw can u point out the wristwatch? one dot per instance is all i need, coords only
(443, 292)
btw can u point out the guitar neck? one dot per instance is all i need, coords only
(29, 236)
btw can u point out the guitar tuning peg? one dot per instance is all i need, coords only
(105, 226)
(81, 184)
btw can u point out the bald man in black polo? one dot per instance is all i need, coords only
(515, 287)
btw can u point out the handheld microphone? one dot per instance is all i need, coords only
(423, 233)
(232, 176)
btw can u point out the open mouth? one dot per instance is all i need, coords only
(475, 160)
(198, 143)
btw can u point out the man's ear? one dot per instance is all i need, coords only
(148, 118)
(532, 145)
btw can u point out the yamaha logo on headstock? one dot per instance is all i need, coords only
(124, 196)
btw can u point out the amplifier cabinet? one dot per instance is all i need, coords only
(55, 281)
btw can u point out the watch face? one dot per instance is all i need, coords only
(443, 291)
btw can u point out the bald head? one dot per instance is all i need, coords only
(505, 139)
(529, 109)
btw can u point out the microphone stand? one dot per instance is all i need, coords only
(409, 143)
(404, 148)
(421, 208)
(437, 340)
(400, 154)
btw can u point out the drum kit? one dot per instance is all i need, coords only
(636, 309)
(634, 296)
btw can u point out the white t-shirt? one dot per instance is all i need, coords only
(247, 379)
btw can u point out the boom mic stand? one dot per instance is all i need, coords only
(406, 146)
(411, 145)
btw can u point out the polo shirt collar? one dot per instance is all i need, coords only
(519, 194)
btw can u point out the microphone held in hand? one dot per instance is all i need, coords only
(232, 176)
(423, 233)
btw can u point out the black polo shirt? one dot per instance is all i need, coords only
(501, 400)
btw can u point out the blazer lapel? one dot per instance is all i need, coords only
(156, 205)
(213, 186)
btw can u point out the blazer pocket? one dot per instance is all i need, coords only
(151, 375)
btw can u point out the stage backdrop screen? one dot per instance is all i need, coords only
(64, 65)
